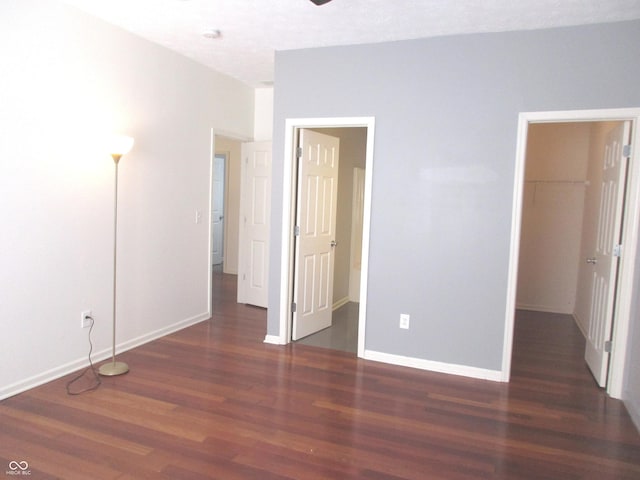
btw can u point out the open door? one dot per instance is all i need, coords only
(315, 232)
(607, 255)
(255, 212)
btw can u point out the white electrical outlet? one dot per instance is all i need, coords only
(404, 320)
(85, 319)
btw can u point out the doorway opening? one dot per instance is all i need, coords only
(218, 192)
(290, 209)
(224, 189)
(558, 224)
(343, 311)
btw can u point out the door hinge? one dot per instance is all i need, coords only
(617, 250)
(626, 151)
(293, 307)
(607, 346)
(296, 231)
(299, 152)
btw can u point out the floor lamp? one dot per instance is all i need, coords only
(120, 145)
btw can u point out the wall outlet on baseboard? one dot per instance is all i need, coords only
(404, 320)
(85, 319)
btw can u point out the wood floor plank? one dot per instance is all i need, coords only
(214, 402)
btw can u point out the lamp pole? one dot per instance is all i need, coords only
(116, 368)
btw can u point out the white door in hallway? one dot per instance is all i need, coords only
(315, 239)
(605, 259)
(255, 212)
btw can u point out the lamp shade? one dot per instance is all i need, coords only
(120, 144)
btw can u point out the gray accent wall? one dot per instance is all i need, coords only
(631, 393)
(446, 112)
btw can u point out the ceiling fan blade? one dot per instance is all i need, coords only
(320, 2)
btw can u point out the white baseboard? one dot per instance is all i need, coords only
(634, 411)
(543, 308)
(141, 340)
(278, 340)
(581, 326)
(67, 368)
(449, 368)
(340, 303)
(49, 375)
(274, 340)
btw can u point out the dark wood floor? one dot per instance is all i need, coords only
(213, 401)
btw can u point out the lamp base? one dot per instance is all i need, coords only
(112, 369)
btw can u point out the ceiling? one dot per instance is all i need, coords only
(251, 30)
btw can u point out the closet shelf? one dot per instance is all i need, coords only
(585, 183)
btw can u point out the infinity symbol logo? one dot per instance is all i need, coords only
(13, 465)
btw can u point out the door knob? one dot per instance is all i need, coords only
(592, 260)
(333, 243)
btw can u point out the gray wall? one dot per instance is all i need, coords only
(446, 114)
(631, 393)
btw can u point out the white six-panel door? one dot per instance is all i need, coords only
(605, 261)
(255, 211)
(316, 222)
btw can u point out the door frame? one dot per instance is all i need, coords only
(631, 221)
(288, 217)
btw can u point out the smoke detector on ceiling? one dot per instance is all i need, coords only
(212, 33)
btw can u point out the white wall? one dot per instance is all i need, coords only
(631, 393)
(552, 212)
(66, 79)
(263, 119)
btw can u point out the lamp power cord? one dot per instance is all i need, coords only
(96, 376)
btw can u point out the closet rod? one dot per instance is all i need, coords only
(566, 182)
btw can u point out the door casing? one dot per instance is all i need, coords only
(288, 216)
(631, 222)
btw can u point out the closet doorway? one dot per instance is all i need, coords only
(564, 212)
